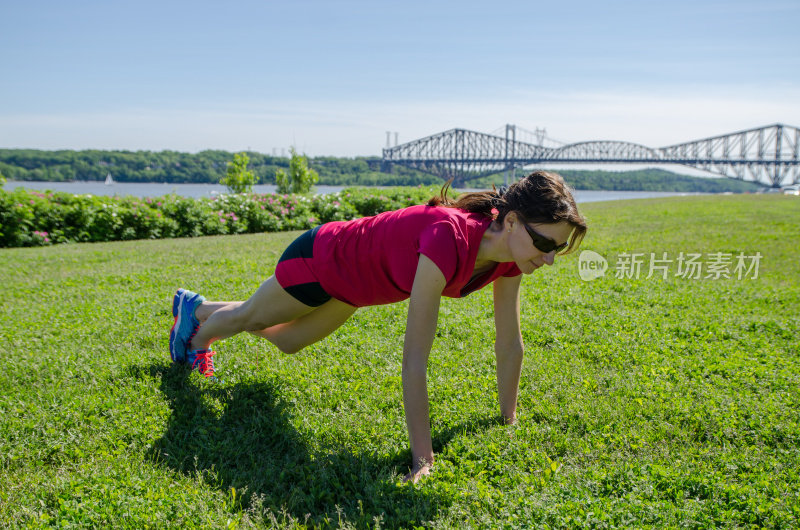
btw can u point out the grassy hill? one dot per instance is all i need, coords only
(644, 401)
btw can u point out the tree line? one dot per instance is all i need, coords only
(177, 167)
(210, 166)
(651, 179)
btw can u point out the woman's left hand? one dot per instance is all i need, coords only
(417, 472)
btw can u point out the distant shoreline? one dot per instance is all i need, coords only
(197, 191)
(208, 167)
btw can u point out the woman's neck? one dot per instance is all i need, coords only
(492, 248)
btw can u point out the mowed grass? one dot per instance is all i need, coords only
(643, 402)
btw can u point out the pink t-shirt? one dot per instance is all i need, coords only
(373, 260)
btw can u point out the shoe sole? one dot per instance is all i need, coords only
(176, 305)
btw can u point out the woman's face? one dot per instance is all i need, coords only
(521, 244)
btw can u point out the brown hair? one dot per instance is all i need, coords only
(541, 197)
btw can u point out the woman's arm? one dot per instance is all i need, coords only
(508, 345)
(423, 314)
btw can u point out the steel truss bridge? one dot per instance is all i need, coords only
(769, 155)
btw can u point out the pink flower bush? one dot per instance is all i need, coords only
(44, 217)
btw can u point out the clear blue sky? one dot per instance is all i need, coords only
(331, 77)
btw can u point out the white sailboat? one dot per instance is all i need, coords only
(109, 180)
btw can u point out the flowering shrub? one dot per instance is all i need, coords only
(368, 201)
(333, 208)
(32, 218)
(42, 236)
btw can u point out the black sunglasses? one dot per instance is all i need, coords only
(544, 244)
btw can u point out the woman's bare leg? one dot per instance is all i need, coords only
(207, 308)
(293, 336)
(269, 305)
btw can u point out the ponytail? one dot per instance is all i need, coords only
(476, 202)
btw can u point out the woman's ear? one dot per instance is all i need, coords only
(510, 220)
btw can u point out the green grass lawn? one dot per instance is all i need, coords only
(643, 402)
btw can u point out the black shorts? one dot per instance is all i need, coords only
(295, 272)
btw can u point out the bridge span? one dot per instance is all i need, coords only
(769, 155)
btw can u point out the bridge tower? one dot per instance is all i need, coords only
(511, 138)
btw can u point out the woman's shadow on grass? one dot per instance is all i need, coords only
(240, 436)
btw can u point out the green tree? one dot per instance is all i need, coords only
(238, 179)
(300, 179)
(282, 181)
(2, 180)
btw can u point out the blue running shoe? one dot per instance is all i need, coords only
(202, 361)
(184, 304)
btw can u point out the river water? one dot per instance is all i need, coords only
(143, 189)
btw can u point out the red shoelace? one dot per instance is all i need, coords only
(204, 363)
